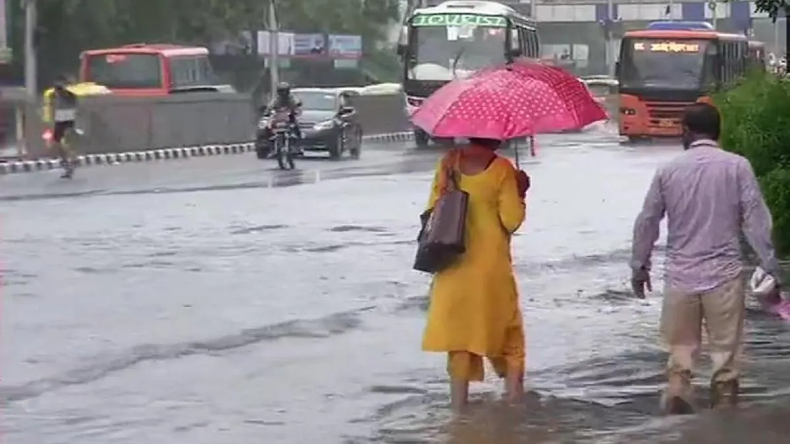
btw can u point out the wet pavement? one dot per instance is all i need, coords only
(221, 301)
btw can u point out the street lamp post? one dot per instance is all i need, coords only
(31, 75)
(274, 47)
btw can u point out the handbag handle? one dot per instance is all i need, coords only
(450, 166)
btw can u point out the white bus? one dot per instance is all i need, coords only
(456, 38)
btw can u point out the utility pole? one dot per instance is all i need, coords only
(610, 52)
(31, 76)
(274, 47)
(787, 34)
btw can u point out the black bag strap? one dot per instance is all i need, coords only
(451, 162)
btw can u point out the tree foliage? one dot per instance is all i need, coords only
(66, 27)
(772, 7)
(756, 124)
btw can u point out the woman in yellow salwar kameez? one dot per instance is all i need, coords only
(474, 308)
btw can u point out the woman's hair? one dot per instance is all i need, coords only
(491, 144)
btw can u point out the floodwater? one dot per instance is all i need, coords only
(208, 301)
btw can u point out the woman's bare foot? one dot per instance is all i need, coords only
(459, 394)
(514, 387)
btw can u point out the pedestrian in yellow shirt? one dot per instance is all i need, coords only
(474, 310)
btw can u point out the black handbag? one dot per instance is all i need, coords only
(441, 238)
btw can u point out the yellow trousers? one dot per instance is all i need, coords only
(468, 366)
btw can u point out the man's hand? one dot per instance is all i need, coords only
(640, 281)
(774, 296)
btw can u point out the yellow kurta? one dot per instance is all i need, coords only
(474, 304)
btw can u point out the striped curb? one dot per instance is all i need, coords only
(30, 166)
(405, 136)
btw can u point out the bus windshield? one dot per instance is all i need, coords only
(671, 64)
(125, 71)
(449, 46)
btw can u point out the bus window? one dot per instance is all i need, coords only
(533, 48)
(522, 40)
(743, 52)
(711, 76)
(188, 71)
(125, 71)
(726, 65)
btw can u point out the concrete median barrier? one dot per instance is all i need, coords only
(127, 124)
(129, 129)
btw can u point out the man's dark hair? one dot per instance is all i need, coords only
(702, 119)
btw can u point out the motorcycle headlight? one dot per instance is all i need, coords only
(325, 125)
(263, 123)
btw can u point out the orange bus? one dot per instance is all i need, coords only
(660, 72)
(150, 70)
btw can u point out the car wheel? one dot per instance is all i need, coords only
(261, 151)
(421, 138)
(356, 151)
(336, 150)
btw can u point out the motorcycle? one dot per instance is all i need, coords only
(283, 140)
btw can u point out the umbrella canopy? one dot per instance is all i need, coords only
(506, 102)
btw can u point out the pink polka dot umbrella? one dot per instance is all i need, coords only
(507, 102)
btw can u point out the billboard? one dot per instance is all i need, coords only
(345, 47)
(310, 46)
(285, 43)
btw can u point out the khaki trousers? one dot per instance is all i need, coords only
(722, 310)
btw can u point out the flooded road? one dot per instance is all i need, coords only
(208, 301)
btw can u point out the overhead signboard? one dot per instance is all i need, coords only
(667, 46)
(424, 20)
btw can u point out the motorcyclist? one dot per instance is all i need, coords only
(62, 114)
(283, 99)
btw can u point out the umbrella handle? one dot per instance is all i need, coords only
(515, 151)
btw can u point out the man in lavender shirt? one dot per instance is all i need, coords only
(709, 196)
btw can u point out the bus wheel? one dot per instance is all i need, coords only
(632, 140)
(636, 139)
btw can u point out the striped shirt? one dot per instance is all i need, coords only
(709, 196)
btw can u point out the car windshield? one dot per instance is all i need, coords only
(659, 63)
(440, 50)
(316, 100)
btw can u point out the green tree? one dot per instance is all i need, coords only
(67, 27)
(774, 8)
(756, 124)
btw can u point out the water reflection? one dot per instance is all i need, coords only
(233, 314)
